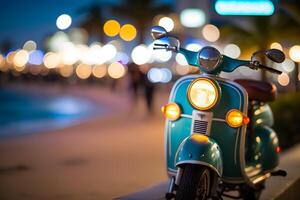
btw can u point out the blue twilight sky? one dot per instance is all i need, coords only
(22, 20)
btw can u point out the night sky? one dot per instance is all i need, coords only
(22, 20)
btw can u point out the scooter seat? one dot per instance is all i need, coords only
(259, 90)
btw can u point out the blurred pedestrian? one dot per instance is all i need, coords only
(149, 90)
(134, 81)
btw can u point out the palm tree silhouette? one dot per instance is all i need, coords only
(142, 12)
(260, 32)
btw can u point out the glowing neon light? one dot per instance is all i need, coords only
(245, 7)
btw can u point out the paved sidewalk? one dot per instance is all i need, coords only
(101, 158)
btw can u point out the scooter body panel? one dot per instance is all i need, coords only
(200, 149)
(230, 140)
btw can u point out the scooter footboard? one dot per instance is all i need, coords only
(202, 150)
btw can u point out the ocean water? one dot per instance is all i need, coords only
(23, 112)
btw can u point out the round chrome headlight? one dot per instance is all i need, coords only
(209, 58)
(203, 93)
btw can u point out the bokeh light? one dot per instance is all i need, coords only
(283, 79)
(193, 47)
(128, 32)
(83, 71)
(166, 75)
(276, 45)
(140, 54)
(109, 51)
(99, 71)
(288, 65)
(63, 22)
(10, 57)
(21, 58)
(116, 70)
(232, 51)
(180, 59)
(192, 17)
(55, 42)
(36, 57)
(111, 28)
(51, 60)
(155, 75)
(66, 70)
(210, 32)
(69, 53)
(122, 58)
(167, 23)
(30, 45)
(295, 53)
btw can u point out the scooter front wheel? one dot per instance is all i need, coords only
(194, 183)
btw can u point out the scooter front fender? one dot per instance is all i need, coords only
(202, 150)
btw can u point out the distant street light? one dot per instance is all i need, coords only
(111, 28)
(128, 32)
(167, 23)
(63, 22)
(192, 17)
(276, 45)
(294, 54)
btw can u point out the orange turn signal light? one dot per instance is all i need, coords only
(171, 111)
(236, 118)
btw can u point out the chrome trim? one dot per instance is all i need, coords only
(214, 119)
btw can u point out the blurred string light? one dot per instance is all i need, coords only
(36, 57)
(30, 45)
(244, 7)
(193, 47)
(99, 71)
(192, 17)
(69, 52)
(111, 28)
(156, 75)
(283, 79)
(167, 23)
(128, 32)
(109, 51)
(83, 71)
(294, 53)
(180, 59)
(21, 58)
(288, 65)
(10, 57)
(57, 40)
(63, 22)
(140, 54)
(51, 60)
(95, 54)
(66, 70)
(232, 50)
(276, 45)
(2, 61)
(116, 70)
(210, 32)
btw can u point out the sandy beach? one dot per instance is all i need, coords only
(101, 158)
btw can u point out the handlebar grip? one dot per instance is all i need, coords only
(270, 69)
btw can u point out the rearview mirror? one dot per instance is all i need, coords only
(275, 55)
(158, 32)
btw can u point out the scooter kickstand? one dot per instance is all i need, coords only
(170, 195)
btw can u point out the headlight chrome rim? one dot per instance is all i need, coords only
(216, 88)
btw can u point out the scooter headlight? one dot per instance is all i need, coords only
(203, 93)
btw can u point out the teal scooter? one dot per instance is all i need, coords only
(218, 134)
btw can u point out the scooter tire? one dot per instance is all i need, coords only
(194, 183)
